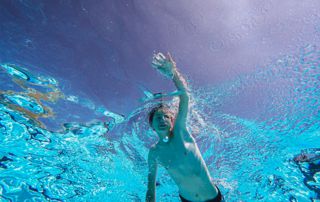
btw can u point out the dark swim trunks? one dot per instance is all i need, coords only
(218, 198)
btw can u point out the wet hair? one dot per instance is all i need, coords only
(159, 107)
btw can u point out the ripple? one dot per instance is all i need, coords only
(26, 103)
(22, 74)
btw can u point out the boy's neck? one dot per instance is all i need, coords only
(165, 138)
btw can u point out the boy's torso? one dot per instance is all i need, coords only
(185, 165)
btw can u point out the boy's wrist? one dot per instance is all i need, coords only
(173, 71)
(175, 74)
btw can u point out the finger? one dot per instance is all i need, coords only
(154, 57)
(170, 57)
(156, 63)
(159, 58)
(159, 55)
(162, 56)
(156, 66)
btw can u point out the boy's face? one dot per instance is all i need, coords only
(162, 121)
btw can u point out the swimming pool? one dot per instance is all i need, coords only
(75, 82)
(249, 154)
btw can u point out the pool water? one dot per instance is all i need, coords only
(248, 129)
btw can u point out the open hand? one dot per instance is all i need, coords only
(165, 65)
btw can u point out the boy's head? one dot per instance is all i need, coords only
(161, 118)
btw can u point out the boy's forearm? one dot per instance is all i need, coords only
(151, 196)
(180, 81)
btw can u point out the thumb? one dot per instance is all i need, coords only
(170, 57)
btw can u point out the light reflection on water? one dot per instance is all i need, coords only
(248, 147)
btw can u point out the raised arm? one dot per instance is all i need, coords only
(167, 67)
(182, 87)
(152, 163)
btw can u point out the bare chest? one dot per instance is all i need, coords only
(177, 157)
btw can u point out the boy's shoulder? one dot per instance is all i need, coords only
(156, 149)
(153, 148)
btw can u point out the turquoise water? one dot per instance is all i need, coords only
(57, 146)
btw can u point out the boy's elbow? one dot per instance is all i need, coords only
(184, 95)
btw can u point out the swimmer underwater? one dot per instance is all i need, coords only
(177, 150)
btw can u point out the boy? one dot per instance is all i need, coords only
(177, 151)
